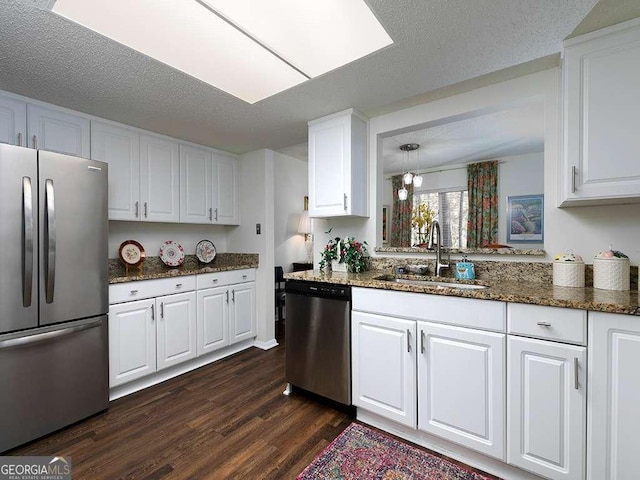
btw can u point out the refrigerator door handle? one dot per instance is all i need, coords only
(40, 337)
(27, 247)
(50, 240)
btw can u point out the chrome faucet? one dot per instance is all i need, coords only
(435, 232)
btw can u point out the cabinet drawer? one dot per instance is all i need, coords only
(126, 292)
(553, 323)
(464, 312)
(218, 279)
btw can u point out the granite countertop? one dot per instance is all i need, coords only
(535, 293)
(153, 268)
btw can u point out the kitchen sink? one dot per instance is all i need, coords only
(433, 283)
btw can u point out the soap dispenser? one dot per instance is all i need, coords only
(465, 270)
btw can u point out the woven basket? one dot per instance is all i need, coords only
(611, 273)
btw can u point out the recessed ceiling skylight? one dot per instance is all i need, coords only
(250, 49)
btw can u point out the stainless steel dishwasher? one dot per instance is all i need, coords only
(318, 339)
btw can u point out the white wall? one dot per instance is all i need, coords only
(585, 230)
(518, 175)
(291, 186)
(151, 235)
(256, 174)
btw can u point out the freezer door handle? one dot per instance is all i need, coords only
(27, 247)
(50, 240)
(40, 337)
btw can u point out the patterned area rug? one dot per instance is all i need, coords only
(360, 453)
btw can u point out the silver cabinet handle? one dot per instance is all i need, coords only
(215, 280)
(216, 214)
(20, 139)
(137, 209)
(153, 313)
(421, 341)
(408, 340)
(576, 376)
(227, 296)
(39, 337)
(211, 214)
(573, 179)
(178, 285)
(146, 210)
(134, 292)
(34, 139)
(244, 276)
(50, 240)
(345, 202)
(233, 295)
(27, 247)
(161, 309)
(544, 324)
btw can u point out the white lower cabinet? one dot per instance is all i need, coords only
(614, 397)
(546, 407)
(226, 315)
(242, 317)
(461, 386)
(384, 366)
(157, 324)
(176, 328)
(149, 335)
(213, 319)
(132, 341)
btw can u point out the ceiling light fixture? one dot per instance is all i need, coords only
(417, 178)
(407, 177)
(249, 49)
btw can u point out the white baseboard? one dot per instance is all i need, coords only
(162, 375)
(269, 344)
(444, 447)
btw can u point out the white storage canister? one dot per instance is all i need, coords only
(611, 270)
(568, 270)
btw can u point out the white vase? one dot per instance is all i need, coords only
(337, 266)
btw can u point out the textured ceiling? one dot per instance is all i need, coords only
(502, 133)
(437, 43)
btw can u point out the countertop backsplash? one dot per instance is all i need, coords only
(494, 270)
(154, 268)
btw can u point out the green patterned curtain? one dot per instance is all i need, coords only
(482, 228)
(401, 221)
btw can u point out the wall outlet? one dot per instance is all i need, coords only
(258, 228)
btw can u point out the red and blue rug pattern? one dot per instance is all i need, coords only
(360, 453)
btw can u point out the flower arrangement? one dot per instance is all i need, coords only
(346, 250)
(421, 219)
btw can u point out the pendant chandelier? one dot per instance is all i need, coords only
(409, 177)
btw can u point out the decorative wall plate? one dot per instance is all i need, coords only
(131, 253)
(205, 251)
(172, 253)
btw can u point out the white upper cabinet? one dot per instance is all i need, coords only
(338, 183)
(120, 148)
(160, 174)
(13, 121)
(58, 131)
(601, 158)
(195, 185)
(208, 187)
(225, 191)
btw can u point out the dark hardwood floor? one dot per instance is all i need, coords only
(225, 420)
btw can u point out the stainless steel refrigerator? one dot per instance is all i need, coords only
(53, 292)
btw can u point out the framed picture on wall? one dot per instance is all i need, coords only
(385, 224)
(525, 219)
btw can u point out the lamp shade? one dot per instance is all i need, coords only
(403, 194)
(304, 226)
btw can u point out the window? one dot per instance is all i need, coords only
(451, 209)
